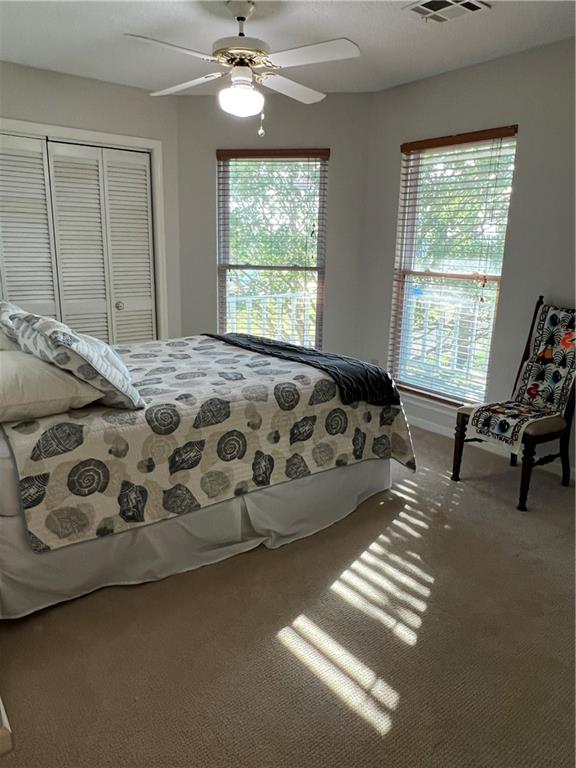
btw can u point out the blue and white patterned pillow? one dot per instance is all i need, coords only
(89, 359)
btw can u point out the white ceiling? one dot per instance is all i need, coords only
(84, 37)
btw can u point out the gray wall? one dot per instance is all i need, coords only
(47, 97)
(534, 89)
(339, 123)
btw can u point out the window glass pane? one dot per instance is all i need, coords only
(446, 335)
(273, 211)
(278, 304)
(271, 245)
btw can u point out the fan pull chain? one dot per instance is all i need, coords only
(261, 131)
(482, 287)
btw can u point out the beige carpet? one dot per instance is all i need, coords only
(433, 627)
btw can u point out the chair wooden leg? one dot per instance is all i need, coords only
(527, 464)
(513, 460)
(565, 457)
(459, 437)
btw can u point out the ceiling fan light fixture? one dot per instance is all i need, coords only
(241, 100)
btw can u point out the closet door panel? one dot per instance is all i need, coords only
(27, 263)
(79, 222)
(129, 232)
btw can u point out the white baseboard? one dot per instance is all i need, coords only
(430, 426)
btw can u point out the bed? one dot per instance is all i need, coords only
(233, 449)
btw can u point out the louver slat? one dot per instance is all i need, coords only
(26, 243)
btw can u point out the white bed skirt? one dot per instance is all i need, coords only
(272, 516)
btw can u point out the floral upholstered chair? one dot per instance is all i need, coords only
(542, 405)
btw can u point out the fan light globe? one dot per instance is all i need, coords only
(241, 100)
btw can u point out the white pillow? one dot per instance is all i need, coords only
(89, 359)
(31, 388)
(7, 344)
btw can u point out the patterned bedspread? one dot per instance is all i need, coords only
(219, 422)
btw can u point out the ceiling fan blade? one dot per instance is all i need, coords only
(331, 50)
(290, 88)
(172, 46)
(189, 84)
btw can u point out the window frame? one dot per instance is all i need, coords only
(224, 266)
(403, 264)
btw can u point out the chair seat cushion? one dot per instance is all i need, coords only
(536, 429)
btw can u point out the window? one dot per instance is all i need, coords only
(271, 243)
(453, 213)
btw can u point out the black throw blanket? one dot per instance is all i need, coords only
(355, 379)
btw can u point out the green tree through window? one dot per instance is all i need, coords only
(271, 244)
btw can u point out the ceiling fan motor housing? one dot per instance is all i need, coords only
(241, 50)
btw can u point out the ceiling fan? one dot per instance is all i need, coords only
(248, 60)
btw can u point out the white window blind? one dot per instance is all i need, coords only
(453, 214)
(272, 243)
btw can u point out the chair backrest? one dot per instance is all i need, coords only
(548, 368)
(526, 353)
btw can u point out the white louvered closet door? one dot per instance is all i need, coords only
(80, 232)
(129, 236)
(103, 231)
(27, 264)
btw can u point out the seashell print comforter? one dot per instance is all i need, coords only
(220, 422)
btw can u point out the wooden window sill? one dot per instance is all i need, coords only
(429, 396)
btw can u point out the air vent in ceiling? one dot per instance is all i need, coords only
(446, 10)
